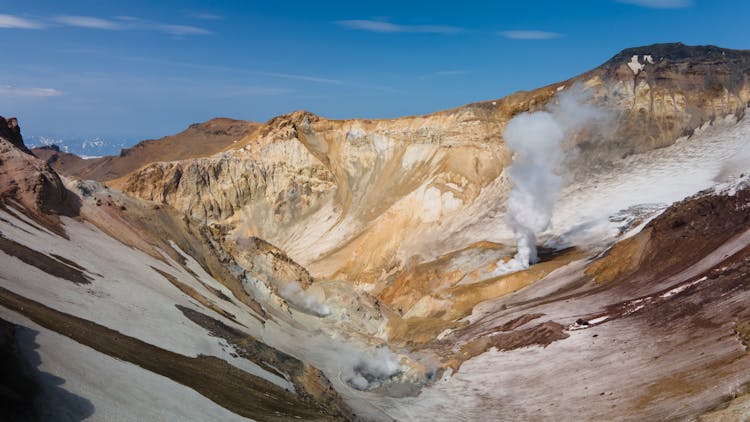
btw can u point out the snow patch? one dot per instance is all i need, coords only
(599, 207)
(681, 288)
(599, 320)
(635, 65)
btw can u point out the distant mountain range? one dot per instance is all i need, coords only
(83, 147)
(198, 140)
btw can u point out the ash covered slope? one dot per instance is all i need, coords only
(326, 191)
(198, 140)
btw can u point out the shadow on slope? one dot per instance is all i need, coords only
(26, 392)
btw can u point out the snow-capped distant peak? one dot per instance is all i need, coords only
(84, 147)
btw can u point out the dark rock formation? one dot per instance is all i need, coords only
(10, 130)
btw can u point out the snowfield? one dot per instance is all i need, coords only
(132, 298)
(94, 386)
(584, 212)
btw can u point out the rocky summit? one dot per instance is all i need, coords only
(454, 266)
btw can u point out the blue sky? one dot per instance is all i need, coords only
(141, 69)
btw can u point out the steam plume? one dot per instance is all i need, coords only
(368, 368)
(536, 140)
(310, 300)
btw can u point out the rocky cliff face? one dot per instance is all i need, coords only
(665, 91)
(305, 180)
(11, 132)
(327, 192)
(24, 178)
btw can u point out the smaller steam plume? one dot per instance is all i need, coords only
(536, 140)
(365, 369)
(310, 300)
(735, 166)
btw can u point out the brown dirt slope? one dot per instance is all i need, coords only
(687, 231)
(61, 160)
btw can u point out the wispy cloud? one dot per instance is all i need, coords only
(660, 4)
(531, 35)
(119, 23)
(235, 70)
(21, 92)
(180, 29)
(239, 70)
(129, 23)
(303, 78)
(17, 22)
(89, 22)
(256, 91)
(207, 16)
(388, 27)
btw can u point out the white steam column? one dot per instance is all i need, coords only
(536, 140)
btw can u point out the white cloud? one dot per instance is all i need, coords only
(531, 35)
(181, 29)
(20, 92)
(15, 22)
(122, 23)
(130, 19)
(88, 22)
(219, 68)
(303, 78)
(388, 27)
(242, 70)
(660, 4)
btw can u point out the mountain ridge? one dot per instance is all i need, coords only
(509, 105)
(366, 171)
